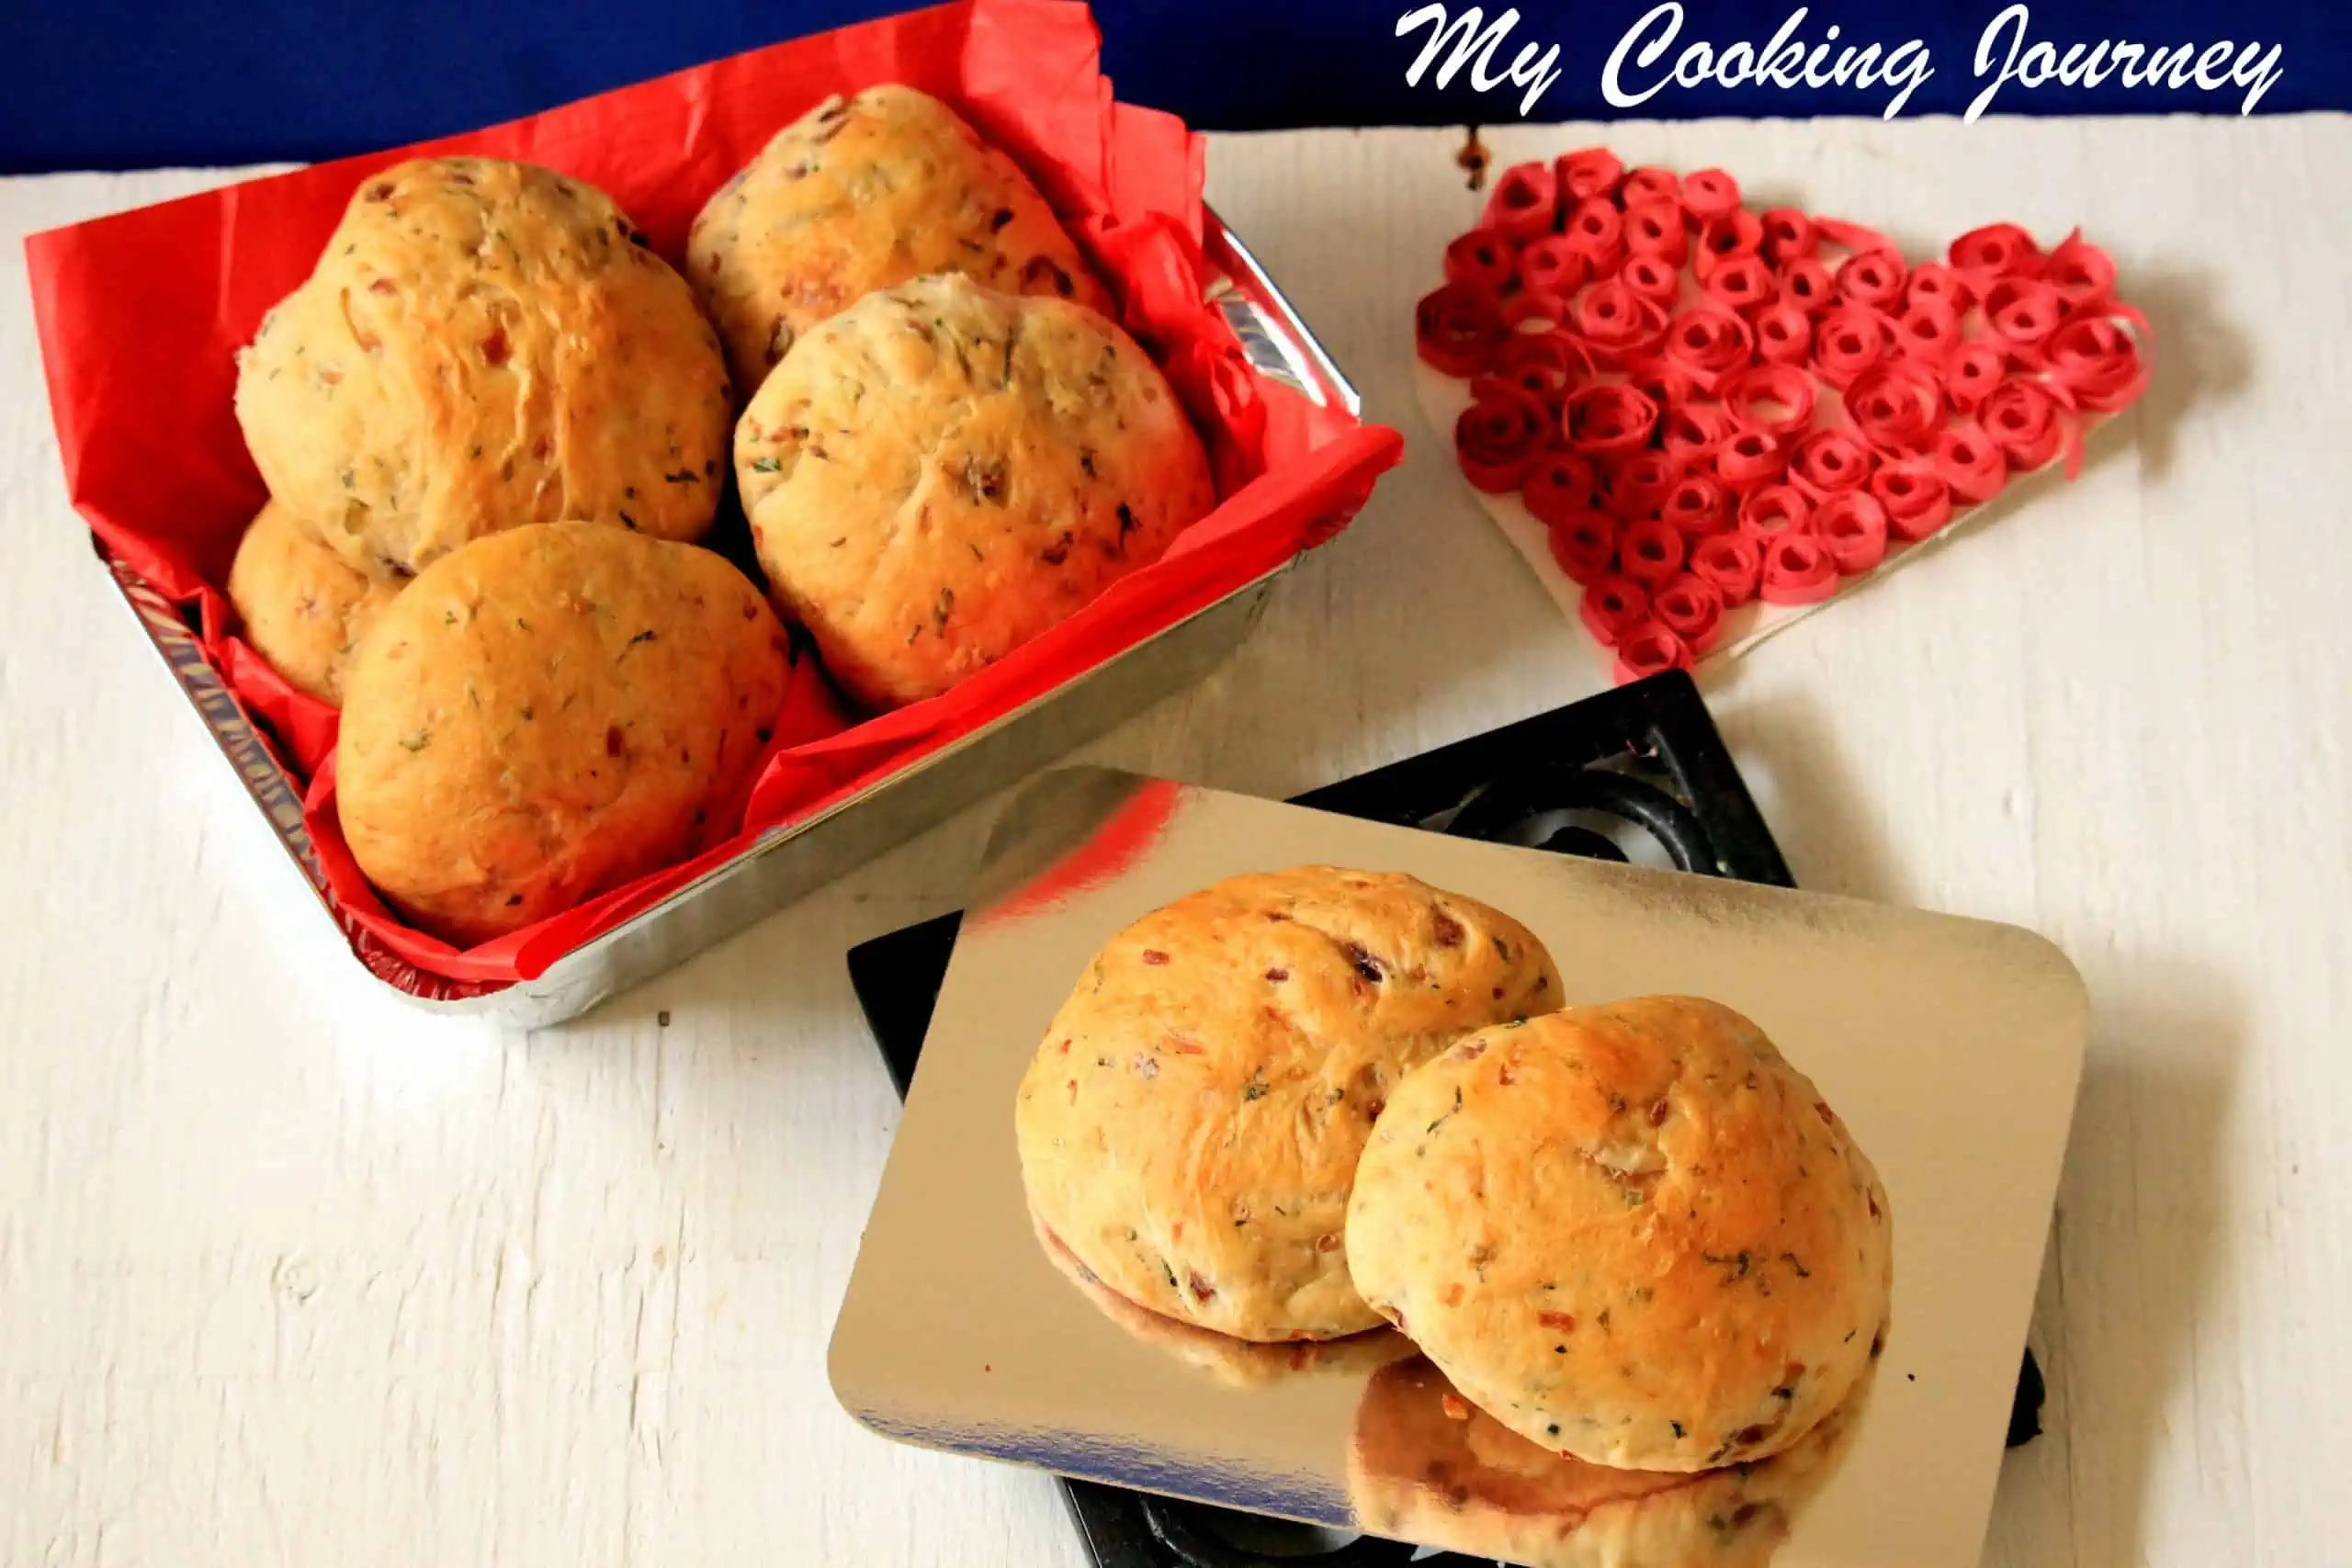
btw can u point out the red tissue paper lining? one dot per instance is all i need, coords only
(141, 315)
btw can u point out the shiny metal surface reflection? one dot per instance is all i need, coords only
(1952, 1047)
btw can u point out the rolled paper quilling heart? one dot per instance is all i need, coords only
(1559, 486)
(1657, 229)
(1971, 463)
(1829, 461)
(1872, 278)
(1749, 459)
(1526, 202)
(1690, 434)
(1774, 509)
(1649, 648)
(1482, 258)
(1798, 570)
(1596, 230)
(1613, 603)
(1636, 483)
(1916, 500)
(1852, 526)
(1710, 195)
(1733, 564)
(1983, 256)
(2097, 362)
(1698, 506)
(1589, 172)
(1495, 440)
(1691, 607)
(1651, 550)
(1583, 543)
(1608, 419)
(1458, 329)
(2025, 422)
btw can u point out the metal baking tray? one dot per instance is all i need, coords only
(790, 862)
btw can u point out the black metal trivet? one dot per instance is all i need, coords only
(1645, 757)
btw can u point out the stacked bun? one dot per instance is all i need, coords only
(1298, 1104)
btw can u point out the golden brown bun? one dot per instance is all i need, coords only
(860, 194)
(546, 713)
(1426, 1465)
(1236, 1363)
(1631, 1233)
(303, 605)
(1190, 1126)
(484, 344)
(942, 472)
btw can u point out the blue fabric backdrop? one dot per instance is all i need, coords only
(123, 84)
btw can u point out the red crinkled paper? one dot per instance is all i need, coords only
(1704, 334)
(141, 314)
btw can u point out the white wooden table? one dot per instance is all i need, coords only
(290, 1274)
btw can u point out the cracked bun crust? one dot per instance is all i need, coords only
(484, 344)
(1631, 1233)
(860, 194)
(942, 472)
(303, 606)
(1190, 1126)
(547, 714)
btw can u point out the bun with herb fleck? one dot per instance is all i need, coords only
(1630, 1234)
(942, 472)
(484, 344)
(1190, 1126)
(546, 713)
(860, 194)
(303, 606)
